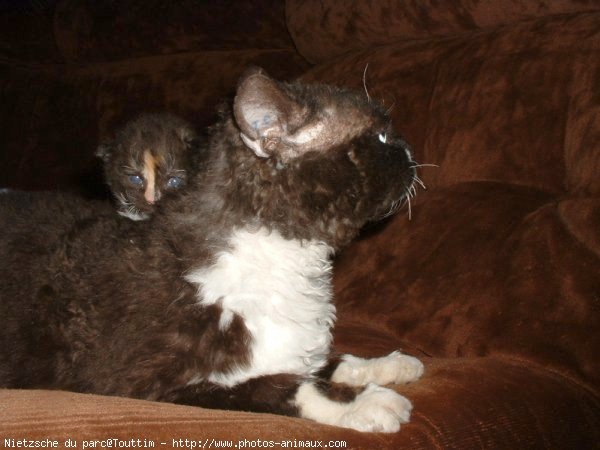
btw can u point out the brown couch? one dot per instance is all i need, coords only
(493, 280)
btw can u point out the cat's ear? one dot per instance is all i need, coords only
(105, 150)
(183, 130)
(262, 110)
(192, 141)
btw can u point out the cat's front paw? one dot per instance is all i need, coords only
(395, 368)
(376, 409)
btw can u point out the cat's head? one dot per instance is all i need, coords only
(146, 161)
(317, 162)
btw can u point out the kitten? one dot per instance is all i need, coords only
(148, 159)
(223, 298)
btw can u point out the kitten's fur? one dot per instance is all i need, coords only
(223, 298)
(148, 159)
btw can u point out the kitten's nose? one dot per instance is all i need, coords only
(152, 196)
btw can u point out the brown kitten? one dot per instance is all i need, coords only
(148, 159)
(222, 299)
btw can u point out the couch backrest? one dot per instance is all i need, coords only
(323, 30)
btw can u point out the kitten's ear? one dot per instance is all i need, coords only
(104, 151)
(262, 110)
(192, 141)
(189, 137)
(180, 127)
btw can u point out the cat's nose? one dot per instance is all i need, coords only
(152, 197)
(149, 196)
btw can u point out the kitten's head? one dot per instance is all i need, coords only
(146, 161)
(317, 162)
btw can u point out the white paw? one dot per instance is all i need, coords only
(376, 409)
(394, 368)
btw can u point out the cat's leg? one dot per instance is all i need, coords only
(395, 368)
(374, 409)
(267, 394)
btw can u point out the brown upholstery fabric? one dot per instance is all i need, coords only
(90, 30)
(324, 30)
(28, 36)
(493, 280)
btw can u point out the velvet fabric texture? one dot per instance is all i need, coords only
(350, 25)
(494, 278)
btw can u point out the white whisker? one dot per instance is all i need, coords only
(420, 182)
(389, 110)
(393, 103)
(424, 165)
(122, 199)
(365, 83)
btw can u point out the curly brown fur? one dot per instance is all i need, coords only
(151, 157)
(93, 302)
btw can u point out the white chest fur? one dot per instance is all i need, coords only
(282, 290)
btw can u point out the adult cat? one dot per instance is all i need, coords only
(222, 298)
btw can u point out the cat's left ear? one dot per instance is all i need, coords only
(105, 150)
(188, 136)
(192, 142)
(263, 111)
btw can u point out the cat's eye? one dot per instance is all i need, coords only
(382, 137)
(136, 180)
(175, 182)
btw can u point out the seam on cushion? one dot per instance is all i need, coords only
(567, 227)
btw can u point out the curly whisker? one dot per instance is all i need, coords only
(365, 83)
(415, 165)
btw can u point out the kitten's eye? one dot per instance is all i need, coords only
(382, 137)
(136, 180)
(175, 182)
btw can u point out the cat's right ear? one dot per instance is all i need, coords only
(262, 110)
(104, 151)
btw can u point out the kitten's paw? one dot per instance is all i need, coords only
(394, 368)
(376, 409)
